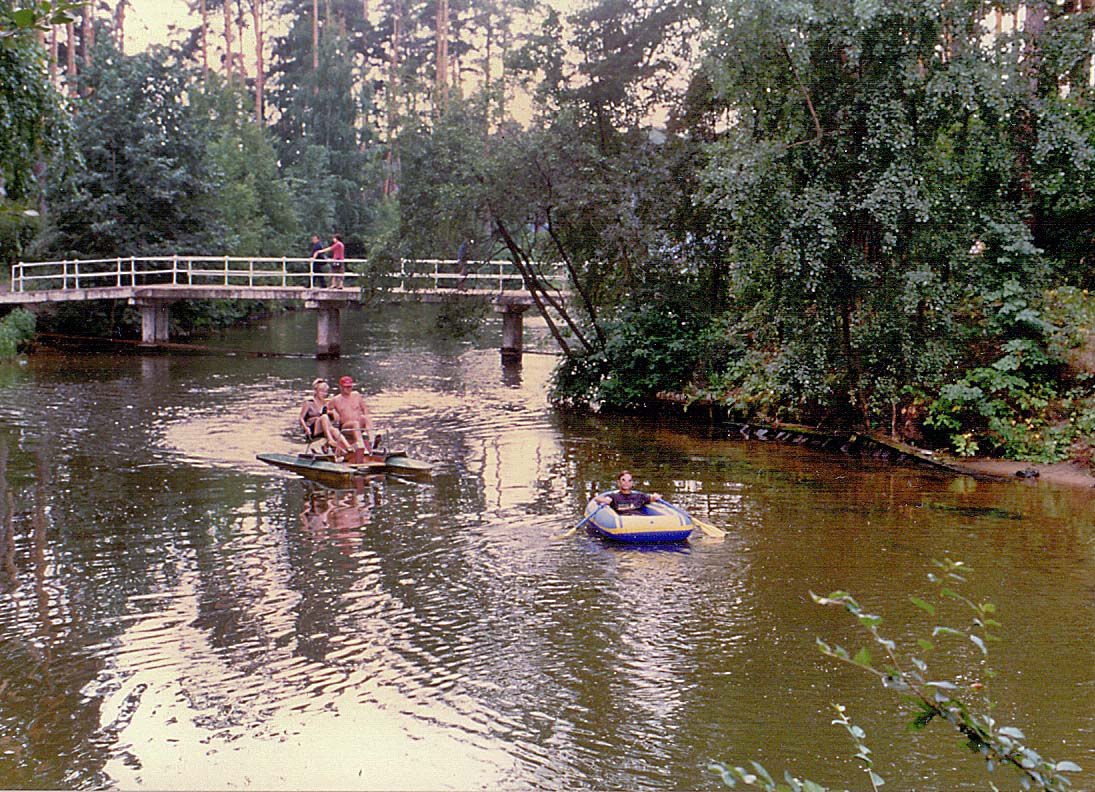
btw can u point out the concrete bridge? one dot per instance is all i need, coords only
(153, 283)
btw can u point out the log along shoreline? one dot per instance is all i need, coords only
(889, 450)
(881, 447)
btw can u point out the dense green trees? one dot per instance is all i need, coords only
(146, 181)
(887, 168)
(34, 124)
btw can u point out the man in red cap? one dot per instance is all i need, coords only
(352, 417)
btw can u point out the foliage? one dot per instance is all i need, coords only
(868, 154)
(115, 320)
(457, 320)
(192, 316)
(330, 159)
(441, 199)
(146, 185)
(16, 330)
(253, 202)
(35, 128)
(34, 15)
(1013, 406)
(650, 348)
(962, 705)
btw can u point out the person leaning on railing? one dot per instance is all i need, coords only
(338, 259)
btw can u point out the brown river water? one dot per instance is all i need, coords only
(177, 615)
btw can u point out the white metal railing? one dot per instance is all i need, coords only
(413, 275)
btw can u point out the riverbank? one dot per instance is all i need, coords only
(1064, 474)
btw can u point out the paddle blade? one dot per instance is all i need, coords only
(567, 533)
(587, 518)
(709, 529)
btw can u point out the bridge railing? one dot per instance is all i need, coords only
(413, 274)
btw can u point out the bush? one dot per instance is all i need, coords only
(16, 331)
(1015, 405)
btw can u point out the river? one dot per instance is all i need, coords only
(177, 615)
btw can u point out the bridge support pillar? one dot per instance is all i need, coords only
(328, 332)
(154, 325)
(513, 328)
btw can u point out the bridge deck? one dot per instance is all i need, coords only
(153, 284)
(349, 296)
(205, 277)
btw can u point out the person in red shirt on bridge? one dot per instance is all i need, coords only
(338, 259)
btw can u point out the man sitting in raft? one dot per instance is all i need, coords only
(626, 500)
(352, 417)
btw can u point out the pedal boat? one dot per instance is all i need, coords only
(323, 467)
(657, 522)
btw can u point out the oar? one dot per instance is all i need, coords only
(588, 517)
(709, 529)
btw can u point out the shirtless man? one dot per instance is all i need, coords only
(352, 417)
(338, 259)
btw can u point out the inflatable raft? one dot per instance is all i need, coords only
(657, 522)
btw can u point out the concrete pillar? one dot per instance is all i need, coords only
(513, 327)
(154, 325)
(328, 332)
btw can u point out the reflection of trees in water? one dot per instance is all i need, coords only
(326, 560)
(47, 734)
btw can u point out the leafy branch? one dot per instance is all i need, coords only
(38, 15)
(931, 698)
(760, 778)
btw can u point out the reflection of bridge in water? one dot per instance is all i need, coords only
(153, 283)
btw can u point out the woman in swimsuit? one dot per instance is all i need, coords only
(315, 420)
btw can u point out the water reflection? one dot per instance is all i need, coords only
(336, 517)
(177, 614)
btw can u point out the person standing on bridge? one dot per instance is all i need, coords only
(338, 259)
(317, 261)
(462, 260)
(352, 417)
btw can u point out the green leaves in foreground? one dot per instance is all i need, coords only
(964, 706)
(16, 330)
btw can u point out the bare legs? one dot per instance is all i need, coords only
(353, 432)
(334, 437)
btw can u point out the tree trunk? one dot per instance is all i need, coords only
(70, 29)
(119, 24)
(390, 183)
(260, 62)
(486, 79)
(315, 40)
(205, 41)
(54, 46)
(87, 37)
(520, 260)
(228, 41)
(442, 56)
(241, 65)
